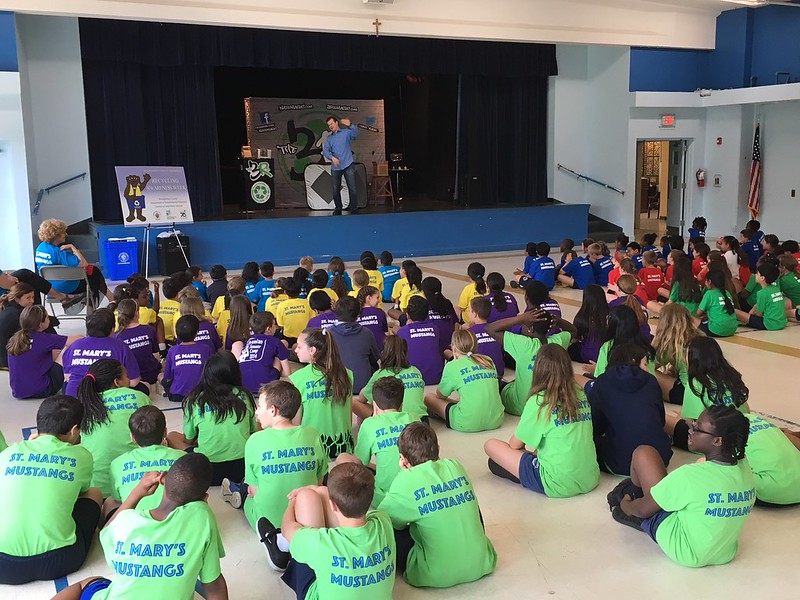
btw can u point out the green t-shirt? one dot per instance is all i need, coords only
(278, 461)
(224, 440)
(3, 444)
(40, 480)
(566, 451)
(602, 360)
(790, 286)
(719, 321)
(161, 559)
(438, 501)
(752, 288)
(378, 437)
(694, 404)
(127, 470)
(333, 420)
(770, 303)
(523, 350)
(414, 384)
(351, 563)
(775, 462)
(709, 503)
(673, 296)
(112, 438)
(479, 407)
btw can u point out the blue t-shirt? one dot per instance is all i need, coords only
(665, 250)
(263, 291)
(201, 289)
(754, 251)
(543, 268)
(48, 255)
(391, 275)
(601, 268)
(638, 261)
(646, 248)
(250, 291)
(759, 237)
(581, 271)
(338, 144)
(348, 282)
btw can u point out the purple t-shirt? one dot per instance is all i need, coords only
(28, 371)
(323, 320)
(374, 319)
(207, 335)
(258, 355)
(445, 325)
(141, 341)
(647, 334)
(85, 352)
(424, 349)
(185, 366)
(489, 346)
(511, 310)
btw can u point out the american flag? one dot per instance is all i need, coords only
(754, 197)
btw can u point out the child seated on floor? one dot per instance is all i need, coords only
(601, 265)
(266, 285)
(679, 510)
(717, 307)
(390, 274)
(769, 312)
(627, 286)
(319, 282)
(634, 252)
(377, 436)
(576, 272)
(49, 521)
(169, 307)
(422, 337)
(199, 282)
(219, 283)
(648, 242)
(140, 339)
(620, 247)
(185, 360)
(221, 310)
(372, 316)
(360, 280)
(788, 281)
(238, 330)
(206, 332)
(567, 245)
(476, 272)
(218, 418)
(370, 264)
(542, 268)
(480, 310)
(263, 358)
(650, 275)
(251, 276)
(774, 456)
(474, 377)
(356, 344)
(320, 303)
(280, 458)
(182, 522)
(556, 424)
(591, 326)
(293, 313)
(330, 532)
(427, 540)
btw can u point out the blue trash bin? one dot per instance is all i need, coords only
(122, 258)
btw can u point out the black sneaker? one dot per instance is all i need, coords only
(231, 493)
(625, 486)
(268, 535)
(620, 516)
(514, 284)
(338, 211)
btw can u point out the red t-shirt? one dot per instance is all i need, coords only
(744, 274)
(697, 265)
(641, 293)
(669, 273)
(652, 278)
(614, 275)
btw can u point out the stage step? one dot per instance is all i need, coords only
(600, 229)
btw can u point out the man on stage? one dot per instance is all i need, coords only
(336, 149)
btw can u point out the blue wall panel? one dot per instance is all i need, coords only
(284, 241)
(776, 43)
(728, 63)
(8, 42)
(667, 70)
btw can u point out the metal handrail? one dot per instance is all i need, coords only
(47, 190)
(592, 179)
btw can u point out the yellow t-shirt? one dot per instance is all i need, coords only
(147, 316)
(333, 295)
(376, 280)
(222, 324)
(354, 293)
(272, 304)
(169, 312)
(406, 294)
(293, 315)
(467, 294)
(399, 286)
(219, 306)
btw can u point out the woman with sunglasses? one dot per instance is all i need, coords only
(695, 513)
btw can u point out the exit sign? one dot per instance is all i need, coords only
(667, 121)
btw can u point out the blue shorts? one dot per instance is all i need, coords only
(447, 410)
(95, 586)
(650, 526)
(756, 322)
(704, 328)
(529, 475)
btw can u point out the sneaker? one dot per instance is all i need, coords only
(620, 516)
(514, 284)
(624, 487)
(268, 535)
(231, 493)
(338, 211)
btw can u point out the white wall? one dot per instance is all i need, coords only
(15, 225)
(54, 114)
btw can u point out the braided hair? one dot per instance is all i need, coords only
(734, 429)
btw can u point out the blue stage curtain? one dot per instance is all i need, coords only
(149, 91)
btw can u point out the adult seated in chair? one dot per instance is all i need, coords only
(53, 251)
(9, 279)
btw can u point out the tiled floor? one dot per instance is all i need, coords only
(568, 548)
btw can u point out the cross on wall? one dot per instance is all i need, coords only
(377, 25)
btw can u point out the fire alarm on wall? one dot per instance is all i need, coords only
(719, 141)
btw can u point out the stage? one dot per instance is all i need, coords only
(284, 239)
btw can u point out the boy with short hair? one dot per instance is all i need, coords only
(634, 252)
(649, 242)
(601, 265)
(319, 282)
(185, 360)
(265, 286)
(769, 313)
(293, 313)
(320, 302)
(480, 309)
(422, 337)
(198, 282)
(264, 358)
(788, 281)
(50, 511)
(339, 548)
(378, 434)
(390, 273)
(307, 263)
(370, 265)
(219, 283)
(566, 245)
(440, 548)
(758, 235)
(169, 307)
(149, 430)
(576, 272)
(542, 268)
(161, 553)
(356, 344)
(650, 275)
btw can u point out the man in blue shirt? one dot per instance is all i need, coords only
(337, 150)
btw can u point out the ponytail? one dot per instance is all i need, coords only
(365, 292)
(464, 342)
(394, 355)
(497, 284)
(437, 303)
(29, 320)
(17, 291)
(476, 272)
(734, 429)
(337, 382)
(126, 314)
(101, 377)
(717, 279)
(628, 285)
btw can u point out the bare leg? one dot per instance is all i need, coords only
(436, 405)
(742, 316)
(360, 407)
(109, 505)
(671, 422)
(665, 382)
(177, 440)
(160, 337)
(654, 307)
(345, 457)
(647, 468)
(663, 292)
(504, 455)
(794, 437)
(313, 509)
(568, 281)
(94, 494)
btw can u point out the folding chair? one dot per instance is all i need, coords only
(62, 273)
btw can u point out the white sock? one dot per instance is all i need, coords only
(162, 346)
(283, 543)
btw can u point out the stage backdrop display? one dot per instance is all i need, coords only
(295, 129)
(153, 196)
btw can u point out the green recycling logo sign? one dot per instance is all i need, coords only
(260, 192)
